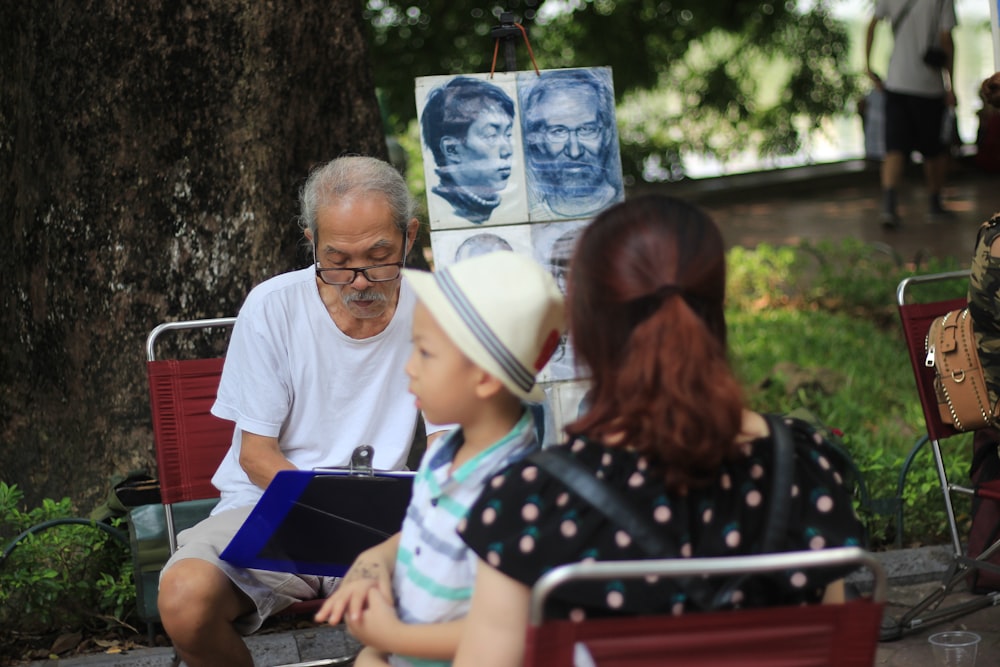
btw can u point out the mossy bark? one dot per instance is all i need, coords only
(150, 158)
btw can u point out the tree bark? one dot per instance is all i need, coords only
(150, 160)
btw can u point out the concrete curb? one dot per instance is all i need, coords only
(906, 567)
(277, 648)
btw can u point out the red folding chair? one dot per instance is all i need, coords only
(190, 441)
(793, 636)
(916, 317)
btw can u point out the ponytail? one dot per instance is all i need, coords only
(672, 395)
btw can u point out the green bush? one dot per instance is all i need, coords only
(70, 575)
(815, 326)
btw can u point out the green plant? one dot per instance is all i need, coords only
(58, 571)
(814, 326)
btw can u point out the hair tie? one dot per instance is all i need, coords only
(644, 306)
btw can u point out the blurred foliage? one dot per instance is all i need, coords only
(709, 77)
(815, 327)
(59, 579)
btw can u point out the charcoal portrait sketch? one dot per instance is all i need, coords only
(573, 165)
(552, 246)
(452, 245)
(468, 127)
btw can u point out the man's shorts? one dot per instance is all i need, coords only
(270, 591)
(913, 123)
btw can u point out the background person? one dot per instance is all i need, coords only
(571, 144)
(667, 426)
(918, 97)
(482, 330)
(314, 369)
(468, 124)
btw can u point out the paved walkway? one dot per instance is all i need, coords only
(843, 202)
(823, 202)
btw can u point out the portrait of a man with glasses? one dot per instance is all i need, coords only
(571, 142)
(314, 369)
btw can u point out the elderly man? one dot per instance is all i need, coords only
(573, 166)
(467, 125)
(315, 368)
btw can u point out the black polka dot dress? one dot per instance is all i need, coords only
(526, 522)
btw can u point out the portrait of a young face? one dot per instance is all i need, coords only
(469, 130)
(571, 143)
(480, 161)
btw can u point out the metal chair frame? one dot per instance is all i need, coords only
(192, 482)
(916, 318)
(189, 489)
(850, 629)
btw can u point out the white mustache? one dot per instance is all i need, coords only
(367, 295)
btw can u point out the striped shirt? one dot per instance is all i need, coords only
(435, 569)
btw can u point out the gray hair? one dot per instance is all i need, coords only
(354, 176)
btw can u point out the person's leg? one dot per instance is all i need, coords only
(936, 152)
(206, 604)
(935, 174)
(892, 176)
(198, 606)
(897, 148)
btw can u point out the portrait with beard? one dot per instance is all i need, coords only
(571, 143)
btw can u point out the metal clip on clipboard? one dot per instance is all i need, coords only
(361, 461)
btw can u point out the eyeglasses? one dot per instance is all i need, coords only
(376, 273)
(561, 133)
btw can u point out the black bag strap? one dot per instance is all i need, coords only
(781, 483)
(932, 39)
(898, 19)
(561, 464)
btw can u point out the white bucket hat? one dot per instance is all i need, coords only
(502, 310)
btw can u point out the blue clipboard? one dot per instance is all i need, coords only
(318, 521)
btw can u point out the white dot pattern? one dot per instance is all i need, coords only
(554, 526)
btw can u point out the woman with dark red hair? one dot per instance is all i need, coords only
(667, 429)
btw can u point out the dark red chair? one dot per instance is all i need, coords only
(792, 636)
(190, 441)
(916, 316)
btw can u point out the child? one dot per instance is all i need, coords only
(482, 329)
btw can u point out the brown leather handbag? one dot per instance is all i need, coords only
(959, 381)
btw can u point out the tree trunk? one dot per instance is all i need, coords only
(150, 158)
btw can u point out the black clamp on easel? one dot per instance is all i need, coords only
(507, 32)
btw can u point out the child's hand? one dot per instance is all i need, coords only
(351, 595)
(379, 625)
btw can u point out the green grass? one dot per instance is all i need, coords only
(815, 327)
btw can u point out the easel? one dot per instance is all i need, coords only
(506, 33)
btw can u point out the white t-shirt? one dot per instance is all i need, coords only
(907, 71)
(291, 373)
